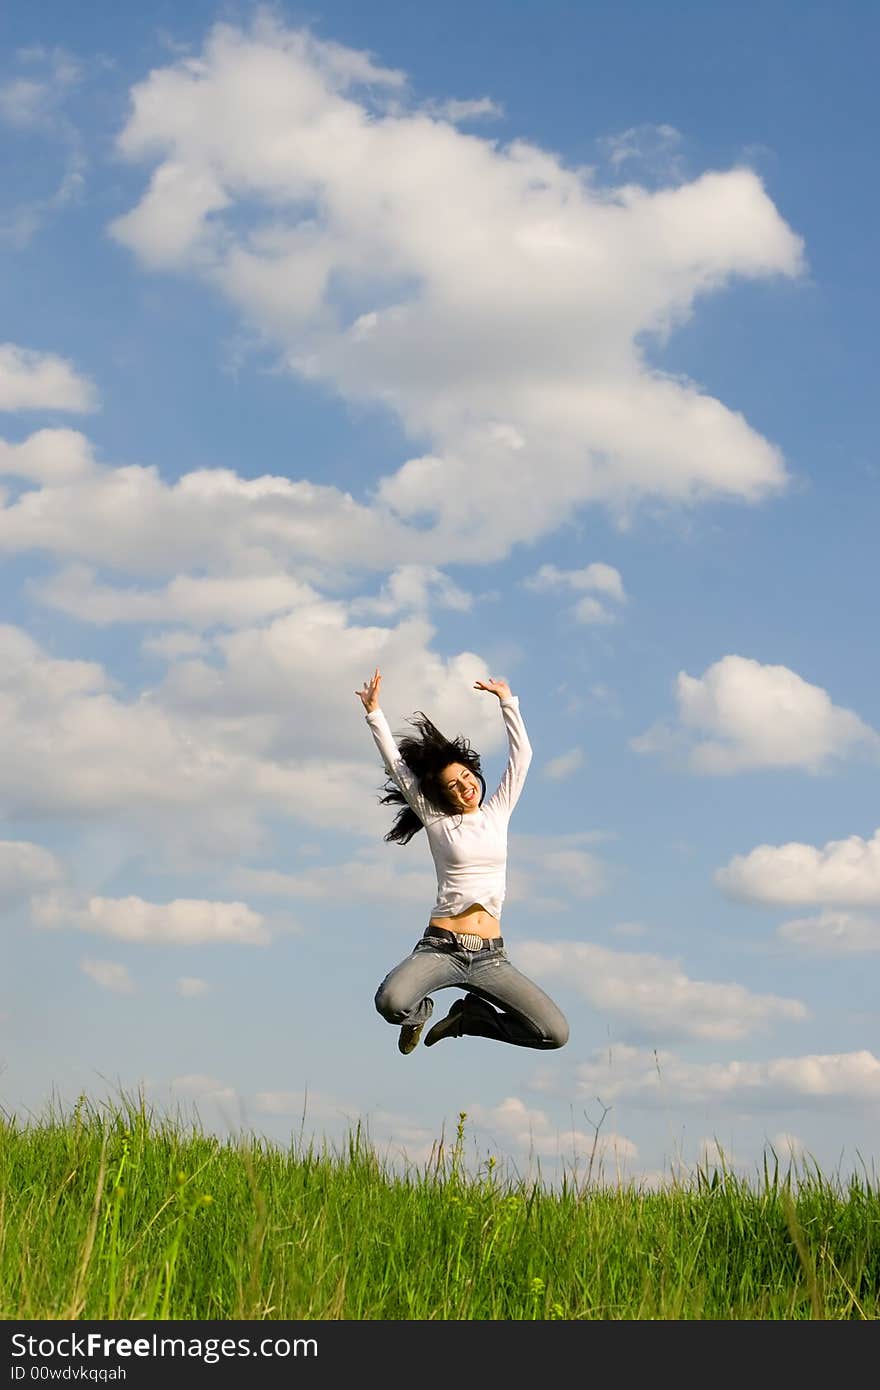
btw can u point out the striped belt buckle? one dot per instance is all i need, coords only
(470, 940)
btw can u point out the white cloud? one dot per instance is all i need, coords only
(191, 987)
(22, 101)
(628, 929)
(413, 588)
(26, 869)
(833, 933)
(34, 104)
(757, 717)
(375, 875)
(19, 225)
(313, 660)
(280, 172)
(590, 611)
(844, 872)
(557, 769)
(548, 871)
(638, 1076)
(271, 726)
(168, 646)
(56, 458)
(32, 380)
(630, 143)
(788, 1147)
(73, 746)
(200, 602)
(473, 109)
(128, 519)
(182, 922)
(653, 995)
(604, 579)
(109, 975)
(297, 1103)
(394, 1137)
(713, 1154)
(531, 1132)
(201, 1087)
(656, 148)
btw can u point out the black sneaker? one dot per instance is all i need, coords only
(409, 1038)
(452, 1026)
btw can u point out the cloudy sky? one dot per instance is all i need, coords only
(464, 340)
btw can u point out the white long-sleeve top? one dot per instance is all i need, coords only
(469, 850)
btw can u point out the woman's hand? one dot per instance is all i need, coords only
(499, 688)
(369, 695)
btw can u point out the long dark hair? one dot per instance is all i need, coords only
(426, 755)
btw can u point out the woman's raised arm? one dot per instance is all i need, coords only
(397, 769)
(497, 687)
(519, 747)
(369, 694)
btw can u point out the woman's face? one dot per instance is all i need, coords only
(461, 787)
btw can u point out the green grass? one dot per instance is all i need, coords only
(111, 1212)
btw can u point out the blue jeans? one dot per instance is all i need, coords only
(527, 1018)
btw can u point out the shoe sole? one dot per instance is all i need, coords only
(412, 1042)
(447, 1026)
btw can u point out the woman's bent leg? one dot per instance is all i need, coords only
(528, 1017)
(403, 996)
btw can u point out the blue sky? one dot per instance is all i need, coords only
(525, 341)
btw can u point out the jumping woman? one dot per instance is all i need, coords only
(438, 784)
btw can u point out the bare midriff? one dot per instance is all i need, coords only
(474, 919)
